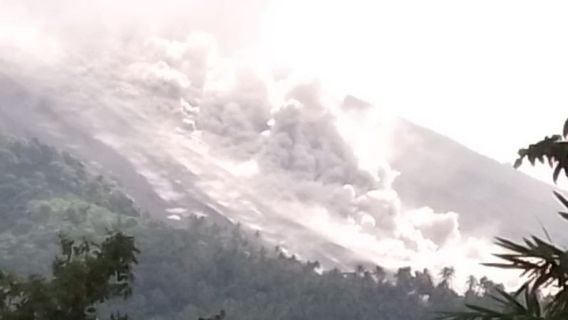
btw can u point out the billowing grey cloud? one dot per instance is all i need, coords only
(268, 149)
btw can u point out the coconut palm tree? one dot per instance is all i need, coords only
(447, 275)
(472, 285)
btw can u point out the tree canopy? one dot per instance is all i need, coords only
(186, 269)
(84, 275)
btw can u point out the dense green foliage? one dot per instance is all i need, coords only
(194, 268)
(553, 149)
(43, 193)
(85, 274)
(544, 263)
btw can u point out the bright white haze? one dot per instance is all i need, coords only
(490, 74)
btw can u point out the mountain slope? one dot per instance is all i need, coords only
(490, 196)
(189, 272)
(280, 168)
(159, 179)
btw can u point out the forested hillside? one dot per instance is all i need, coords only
(193, 268)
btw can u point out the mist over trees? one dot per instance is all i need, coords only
(184, 271)
(195, 268)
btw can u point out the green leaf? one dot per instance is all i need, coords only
(556, 173)
(564, 215)
(518, 163)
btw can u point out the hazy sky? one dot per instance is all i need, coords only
(490, 74)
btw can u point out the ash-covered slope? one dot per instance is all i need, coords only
(491, 197)
(164, 177)
(188, 131)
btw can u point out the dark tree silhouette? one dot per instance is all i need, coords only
(447, 275)
(85, 274)
(219, 316)
(543, 263)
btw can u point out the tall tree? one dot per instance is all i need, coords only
(472, 285)
(447, 275)
(85, 274)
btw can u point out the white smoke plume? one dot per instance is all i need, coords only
(271, 150)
